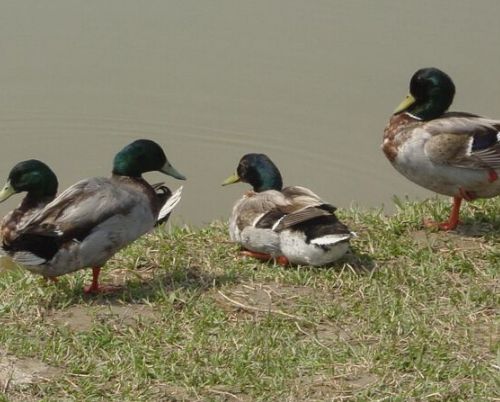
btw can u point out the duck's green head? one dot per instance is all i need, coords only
(32, 176)
(259, 171)
(143, 156)
(431, 94)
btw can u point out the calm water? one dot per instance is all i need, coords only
(310, 83)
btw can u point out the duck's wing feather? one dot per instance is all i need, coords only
(301, 205)
(80, 208)
(302, 197)
(281, 210)
(300, 216)
(463, 140)
(256, 207)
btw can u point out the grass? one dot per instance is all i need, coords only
(411, 314)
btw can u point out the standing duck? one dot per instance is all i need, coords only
(93, 219)
(451, 153)
(291, 224)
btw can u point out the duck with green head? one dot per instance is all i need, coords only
(40, 184)
(292, 224)
(93, 219)
(451, 153)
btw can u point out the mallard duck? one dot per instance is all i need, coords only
(451, 153)
(292, 224)
(39, 182)
(93, 219)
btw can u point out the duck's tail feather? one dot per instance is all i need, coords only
(169, 205)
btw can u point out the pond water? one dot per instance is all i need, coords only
(310, 83)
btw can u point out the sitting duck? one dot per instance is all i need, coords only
(451, 153)
(90, 221)
(291, 225)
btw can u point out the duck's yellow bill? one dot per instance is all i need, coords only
(7, 191)
(409, 100)
(231, 179)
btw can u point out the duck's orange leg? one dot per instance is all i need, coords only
(281, 260)
(94, 286)
(255, 254)
(452, 221)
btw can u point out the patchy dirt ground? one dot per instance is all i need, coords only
(19, 374)
(82, 317)
(258, 299)
(446, 241)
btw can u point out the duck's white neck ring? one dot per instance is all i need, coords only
(413, 116)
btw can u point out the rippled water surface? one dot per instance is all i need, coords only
(310, 83)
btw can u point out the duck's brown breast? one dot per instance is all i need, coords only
(396, 132)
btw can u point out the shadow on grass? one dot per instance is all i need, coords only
(360, 263)
(479, 225)
(69, 292)
(191, 279)
(155, 284)
(195, 279)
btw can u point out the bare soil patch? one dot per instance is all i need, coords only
(20, 373)
(445, 241)
(82, 318)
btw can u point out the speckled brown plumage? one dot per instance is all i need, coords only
(17, 217)
(394, 135)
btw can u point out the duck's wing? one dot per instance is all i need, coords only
(302, 205)
(80, 207)
(463, 140)
(259, 209)
(302, 197)
(73, 215)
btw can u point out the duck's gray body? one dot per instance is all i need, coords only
(86, 225)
